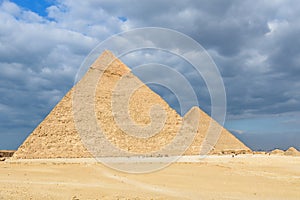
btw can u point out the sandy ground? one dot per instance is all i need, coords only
(216, 177)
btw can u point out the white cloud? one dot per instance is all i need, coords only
(276, 25)
(87, 17)
(237, 131)
(10, 8)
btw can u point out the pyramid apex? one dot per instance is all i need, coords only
(107, 55)
(107, 52)
(195, 109)
(105, 59)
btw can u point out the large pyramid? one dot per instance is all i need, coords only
(115, 93)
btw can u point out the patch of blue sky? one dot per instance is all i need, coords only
(122, 18)
(37, 6)
(264, 124)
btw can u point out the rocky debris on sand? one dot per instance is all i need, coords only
(6, 153)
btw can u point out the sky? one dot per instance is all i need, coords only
(255, 45)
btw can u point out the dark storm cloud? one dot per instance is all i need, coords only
(255, 45)
(38, 61)
(147, 72)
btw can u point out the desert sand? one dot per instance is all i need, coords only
(215, 177)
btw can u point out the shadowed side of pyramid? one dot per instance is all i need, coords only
(110, 112)
(57, 136)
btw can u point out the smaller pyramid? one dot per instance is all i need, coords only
(212, 138)
(277, 152)
(292, 151)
